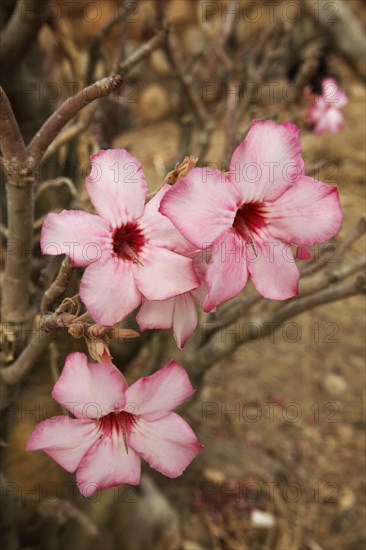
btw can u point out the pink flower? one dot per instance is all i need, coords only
(178, 313)
(130, 249)
(325, 113)
(116, 425)
(250, 217)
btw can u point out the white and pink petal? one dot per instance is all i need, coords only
(169, 444)
(83, 237)
(107, 464)
(227, 271)
(89, 390)
(274, 271)
(163, 273)
(64, 439)
(267, 161)
(109, 290)
(185, 318)
(156, 395)
(202, 205)
(307, 213)
(117, 186)
(157, 314)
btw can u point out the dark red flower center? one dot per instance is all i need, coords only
(248, 218)
(128, 241)
(121, 422)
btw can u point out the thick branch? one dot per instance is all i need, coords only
(19, 369)
(11, 141)
(21, 30)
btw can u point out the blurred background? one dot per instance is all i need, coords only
(281, 412)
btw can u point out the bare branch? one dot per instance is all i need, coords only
(66, 112)
(61, 509)
(54, 184)
(11, 141)
(331, 276)
(352, 236)
(21, 30)
(73, 105)
(345, 29)
(219, 348)
(100, 37)
(20, 368)
(58, 286)
(144, 51)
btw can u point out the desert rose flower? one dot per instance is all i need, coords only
(325, 114)
(130, 250)
(249, 217)
(178, 313)
(115, 425)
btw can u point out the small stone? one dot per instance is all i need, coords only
(191, 545)
(214, 475)
(154, 103)
(346, 498)
(262, 520)
(335, 384)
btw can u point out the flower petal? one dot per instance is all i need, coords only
(333, 94)
(185, 318)
(81, 236)
(89, 390)
(109, 290)
(164, 274)
(200, 267)
(274, 271)
(268, 160)
(160, 230)
(64, 439)
(156, 395)
(156, 314)
(201, 205)
(169, 444)
(107, 464)
(307, 213)
(117, 186)
(227, 271)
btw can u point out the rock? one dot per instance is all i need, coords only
(154, 103)
(335, 385)
(346, 498)
(191, 545)
(214, 475)
(180, 11)
(262, 520)
(160, 63)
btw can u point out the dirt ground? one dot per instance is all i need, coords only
(282, 420)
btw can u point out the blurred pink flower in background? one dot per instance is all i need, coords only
(131, 251)
(249, 217)
(115, 425)
(325, 113)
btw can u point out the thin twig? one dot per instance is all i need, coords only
(224, 343)
(94, 52)
(58, 287)
(70, 108)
